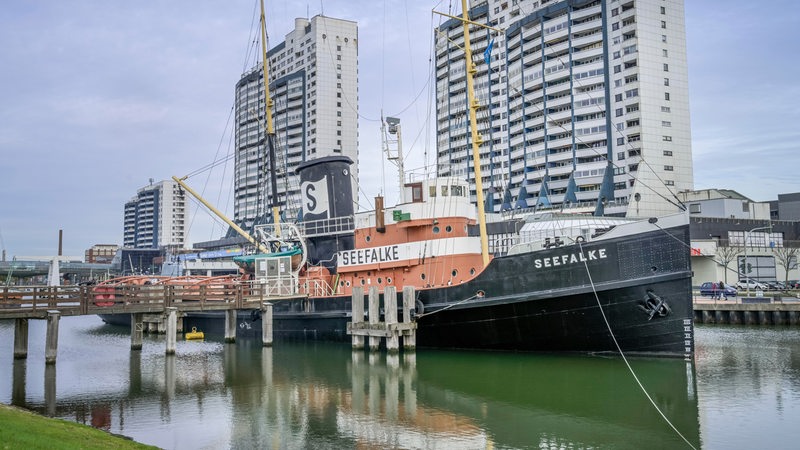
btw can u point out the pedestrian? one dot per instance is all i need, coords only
(722, 293)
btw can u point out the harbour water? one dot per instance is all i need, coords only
(742, 391)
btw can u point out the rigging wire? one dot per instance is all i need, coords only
(622, 354)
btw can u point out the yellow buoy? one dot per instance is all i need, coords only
(194, 334)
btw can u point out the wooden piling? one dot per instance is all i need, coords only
(50, 390)
(390, 317)
(357, 318)
(409, 303)
(230, 325)
(172, 332)
(51, 344)
(20, 338)
(137, 330)
(266, 324)
(374, 316)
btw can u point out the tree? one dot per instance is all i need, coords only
(786, 257)
(726, 255)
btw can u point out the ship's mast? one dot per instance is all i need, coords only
(477, 140)
(394, 150)
(270, 129)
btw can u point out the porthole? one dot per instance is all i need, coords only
(472, 271)
(345, 172)
(348, 283)
(363, 282)
(341, 283)
(422, 276)
(380, 280)
(454, 272)
(368, 238)
(388, 280)
(435, 230)
(448, 228)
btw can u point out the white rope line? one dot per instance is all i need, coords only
(619, 349)
(448, 306)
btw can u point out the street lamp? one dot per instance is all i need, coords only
(744, 266)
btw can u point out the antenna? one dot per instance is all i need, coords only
(393, 147)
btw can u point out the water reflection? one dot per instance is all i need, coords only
(215, 395)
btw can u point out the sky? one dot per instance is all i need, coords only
(98, 97)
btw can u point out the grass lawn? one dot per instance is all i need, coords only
(25, 430)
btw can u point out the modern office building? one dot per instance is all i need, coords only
(584, 104)
(156, 216)
(313, 82)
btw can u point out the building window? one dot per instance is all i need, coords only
(694, 208)
(615, 26)
(667, 152)
(666, 81)
(668, 168)
(621, 141)
(666, 96)
(667, 138)
(666, 123)
(619, 112)
(666, 67)
(663, 24)
(664, 53)
(665, 109)
(663, 10)
(620, 156)
(669, 182)
(664, 38)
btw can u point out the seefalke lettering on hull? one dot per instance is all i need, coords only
(570, 258)
(369, 256)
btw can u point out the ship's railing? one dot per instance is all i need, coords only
(314, 287)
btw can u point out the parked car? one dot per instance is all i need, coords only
(750, 284)
(793, 284)
(711, 289)
(780, 286)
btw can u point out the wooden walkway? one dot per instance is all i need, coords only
(34, 302)
(22, 303)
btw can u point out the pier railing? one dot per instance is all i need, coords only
(36, 301)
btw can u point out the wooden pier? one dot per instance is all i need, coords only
(23, 303)
(390, 329)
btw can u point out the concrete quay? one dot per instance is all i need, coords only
(769, 311)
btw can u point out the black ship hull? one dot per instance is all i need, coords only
(629, 293)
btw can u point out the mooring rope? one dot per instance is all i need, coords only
(449, 306)
(619, 349)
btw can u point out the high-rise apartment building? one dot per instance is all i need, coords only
(156, 216)
(584, 104)
(313, 82)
